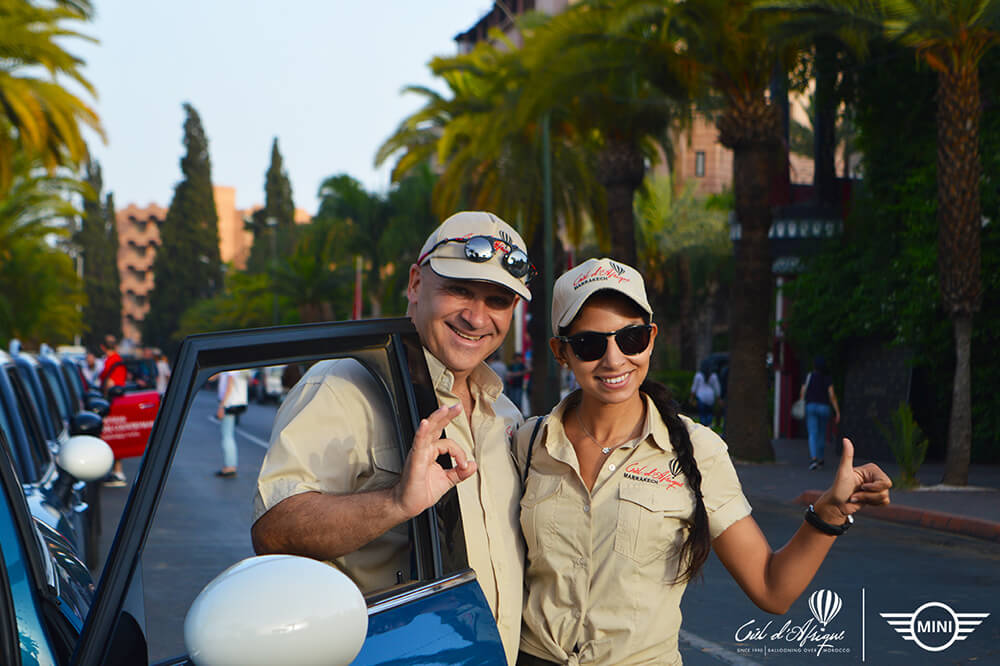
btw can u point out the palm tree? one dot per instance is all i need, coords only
(725, 48)
(951, 38)
(38, 115)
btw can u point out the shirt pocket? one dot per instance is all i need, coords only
(652, 522)
(538, 510)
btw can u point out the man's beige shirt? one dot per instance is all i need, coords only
(602, 563)
(334, 434)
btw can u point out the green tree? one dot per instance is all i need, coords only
(39, 290)
(951, 38)
(273, 225)
(39, 116)
(97, 242)
(187, 267)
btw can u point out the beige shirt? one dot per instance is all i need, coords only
(334, 434)
(602, 563)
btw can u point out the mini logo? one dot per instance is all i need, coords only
(505, 237)
(825, 604)
(649, 474)
(934, 626)
(616, 268)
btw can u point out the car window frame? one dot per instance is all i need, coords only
(390, 344)
(37, 443)
(47, 412)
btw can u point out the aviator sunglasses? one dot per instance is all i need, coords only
(591, 345)
(480, 249)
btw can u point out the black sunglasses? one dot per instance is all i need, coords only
(480, 249)
(591, 345)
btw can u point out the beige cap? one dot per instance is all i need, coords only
(576, 285)
(448, 259)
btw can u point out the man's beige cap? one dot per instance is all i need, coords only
(576, 285)
(448, 259)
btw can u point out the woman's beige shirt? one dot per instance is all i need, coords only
(602, 563)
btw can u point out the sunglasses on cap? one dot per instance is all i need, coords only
(480, 249)
(591, 345)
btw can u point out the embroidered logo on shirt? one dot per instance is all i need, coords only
(648, 474)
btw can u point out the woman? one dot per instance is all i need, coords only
(821, 401)
(624, 497)
(704, 390)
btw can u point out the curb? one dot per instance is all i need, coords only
(935, 520)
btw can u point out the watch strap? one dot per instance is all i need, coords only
(826, 528)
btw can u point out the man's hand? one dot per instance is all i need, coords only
(852, 488)
(424, 481)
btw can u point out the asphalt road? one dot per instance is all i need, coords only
(202, 527)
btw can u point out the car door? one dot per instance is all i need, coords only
(164, 554)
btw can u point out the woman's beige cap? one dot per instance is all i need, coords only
(448, 260)
(576, 285)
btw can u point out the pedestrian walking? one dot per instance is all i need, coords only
(162, 373)
(705, 390)
(821, 403)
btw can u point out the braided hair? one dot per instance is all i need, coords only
(696, 547)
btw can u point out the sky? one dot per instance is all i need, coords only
(323, 76)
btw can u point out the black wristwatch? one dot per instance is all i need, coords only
(826, 528)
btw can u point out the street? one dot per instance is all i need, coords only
(202, 527)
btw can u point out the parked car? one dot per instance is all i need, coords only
(436, 613)
(53, 482)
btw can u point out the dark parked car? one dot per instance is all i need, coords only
(435, 613)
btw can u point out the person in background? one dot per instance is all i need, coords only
(515, 380)
(705, 390)
(113, 373)
(624, 498)
(91, 368)
(498, 366)
(233, 400)
(821, 402)
(162, 373)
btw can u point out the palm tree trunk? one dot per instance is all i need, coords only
(959, 228)
(751, 128)
(956, 468)
(824, 121)
(621, 168)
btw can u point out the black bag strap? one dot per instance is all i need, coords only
(531, 445)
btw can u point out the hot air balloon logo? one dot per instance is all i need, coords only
(825, 604)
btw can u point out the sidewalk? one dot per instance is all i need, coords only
(972, 511)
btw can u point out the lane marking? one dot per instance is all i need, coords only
(715, 650)
(253, 438)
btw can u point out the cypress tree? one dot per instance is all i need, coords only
(97, 238)
(187, 267)
(278, 206)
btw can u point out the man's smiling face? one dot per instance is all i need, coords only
(461, 322)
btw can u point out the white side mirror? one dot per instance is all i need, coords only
(277, 609)
(86, 457)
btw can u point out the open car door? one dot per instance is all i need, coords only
(181, 526)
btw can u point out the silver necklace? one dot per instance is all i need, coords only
(604, 449)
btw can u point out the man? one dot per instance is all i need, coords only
(92, 368)
(332, 485)
(113, 374)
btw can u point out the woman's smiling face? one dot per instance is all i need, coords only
(615, 377)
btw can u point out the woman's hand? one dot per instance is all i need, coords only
(853, 487)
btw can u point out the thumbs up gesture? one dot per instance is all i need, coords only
(853, 487)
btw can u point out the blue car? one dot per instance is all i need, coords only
(272, 609)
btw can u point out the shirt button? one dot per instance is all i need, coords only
(581, 562)
(576, 613)
(586, 508)
(611, 467)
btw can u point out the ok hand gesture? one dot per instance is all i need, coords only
(424, 481)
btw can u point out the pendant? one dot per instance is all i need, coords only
(606, 450)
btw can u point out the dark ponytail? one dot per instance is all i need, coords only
(696, 547)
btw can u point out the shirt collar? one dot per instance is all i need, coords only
(481, 378)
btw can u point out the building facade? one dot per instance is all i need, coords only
(139, 239)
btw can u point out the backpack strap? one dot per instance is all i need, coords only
(531, 445)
